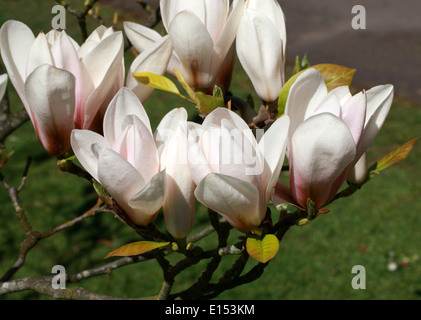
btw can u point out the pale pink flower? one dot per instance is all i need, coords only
(328, 136)
(202, 33)
(235, 174)
(62, 86)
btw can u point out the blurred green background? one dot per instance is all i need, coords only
(379, 223)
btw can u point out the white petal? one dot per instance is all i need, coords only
(137, 146)
(124, 103)
(169, 9)
(304, 97)
(154, 59)
(51, 93)
(103, 64)
(236, 200)
(149, 200)
(272, 146)
(179, 206)
(260, 50)
(322, 148)
(15, 53)
(140, 36)
(168, 126)
(379, 101)
(194, 47)
(82, 141)
(118, 177)
(39, 54)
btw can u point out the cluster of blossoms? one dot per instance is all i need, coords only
(78, 99)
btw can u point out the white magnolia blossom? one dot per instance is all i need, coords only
(261, 47)
(202, 33)
(61, 84)
(329, 135)
(141, 172)
(235, 174)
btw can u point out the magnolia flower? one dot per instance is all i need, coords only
(3, 85)
(328, 136)
(202, 33)
(141, 171)
(261, 45)
(62, 86)
(125, 160)
(235, 174)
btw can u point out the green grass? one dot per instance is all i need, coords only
(314, 261)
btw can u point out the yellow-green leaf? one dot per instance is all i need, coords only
(135, 248)
(396, 155)
(156, 81)
(206, 103)
(185, 85)
(263, 249)
(335, 75)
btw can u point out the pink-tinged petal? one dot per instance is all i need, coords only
(149, 200)
(216, 116)
(198, 164)
(168, 127)
(194, 47)
(93, 40)
(330, 103)
(169, 9)
(15, 54)
(238, 157)
(154, 59)
(210, 146)
(81, 142)
(283, 195)
(103, 64)
(3, 84)
(124, 103)
(353, 114)
(65, 57)
(343, 94)
(216, 17)
(119, 178)
(227, 37)
(179, 205)
(235, 199)
(304, 97)
(379, 101)
(322, 148)
(140, 36)
(260, 50)
(51, 92)
(39, 54)
(272, 146)
(137, 146)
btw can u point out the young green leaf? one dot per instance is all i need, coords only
(395, 156)
(335, 75)
(264, 249)
(156, 81)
